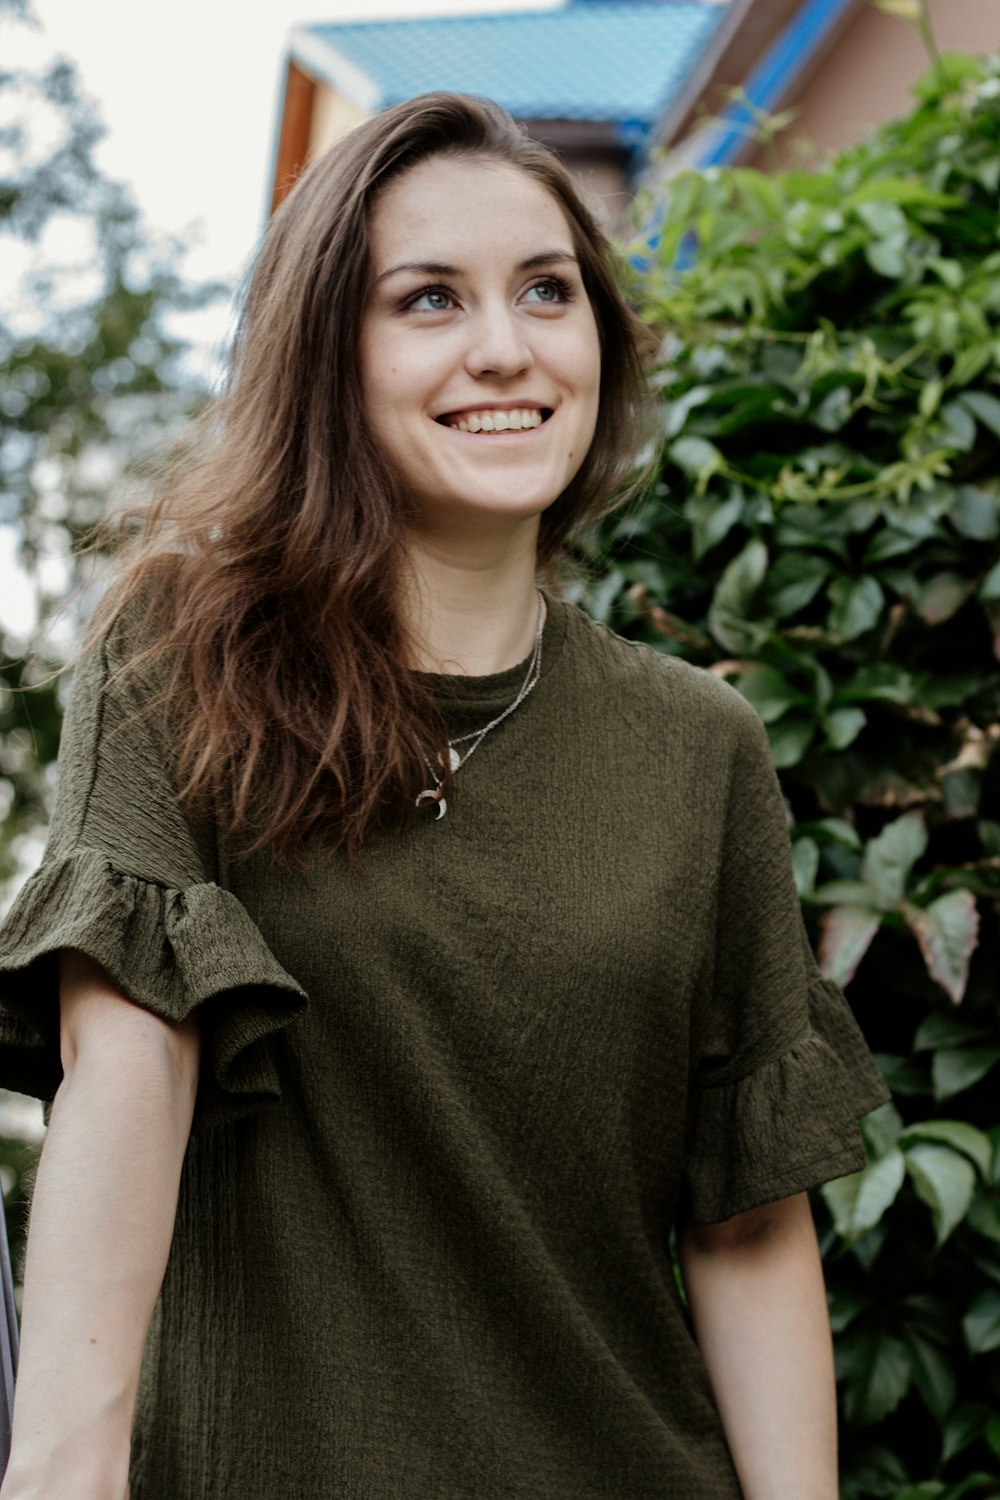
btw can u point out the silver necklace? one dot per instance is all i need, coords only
(457, 758)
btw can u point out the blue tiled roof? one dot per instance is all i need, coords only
(620, 61)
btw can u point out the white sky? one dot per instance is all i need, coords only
(189, 90)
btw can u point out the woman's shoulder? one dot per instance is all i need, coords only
(636, 672)
(138, 609)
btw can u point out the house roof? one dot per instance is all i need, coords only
(619, 61)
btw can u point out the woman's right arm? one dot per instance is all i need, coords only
(101, 1224)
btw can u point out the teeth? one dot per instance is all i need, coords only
(518, 420)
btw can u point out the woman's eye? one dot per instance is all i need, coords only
(434, 299)
(548, 291)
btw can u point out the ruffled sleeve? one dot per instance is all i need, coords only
(127, 879)
(781, 1071)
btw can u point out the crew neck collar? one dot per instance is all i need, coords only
(497, 688)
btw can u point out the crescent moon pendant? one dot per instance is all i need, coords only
(429, 796)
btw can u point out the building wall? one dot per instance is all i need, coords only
(865, 78)
(333, 116)
(602, 178)
(604, 187)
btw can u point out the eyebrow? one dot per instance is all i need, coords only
(438, 268)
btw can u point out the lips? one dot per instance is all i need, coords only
(488, 419)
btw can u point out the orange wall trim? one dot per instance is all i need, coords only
(296, 127)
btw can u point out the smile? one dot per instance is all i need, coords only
(493, 419)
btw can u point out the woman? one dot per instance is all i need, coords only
(534, 881)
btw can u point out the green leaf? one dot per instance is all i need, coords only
(856, 604)
(712, 519)
(882, 216)
(843, 725)
(960, 1136)
(976, 512)
(846, 934)
(904, 1076)
(845, 893)
(992, 1434)
(697, 457)
(888, 256)
(981, 1324)
(964, 1425)
(959, 427)
(830, 831)
(872, 1472)
(732, 602)
(949, 689)
(989, 589)
(882, 1129)
(790, 739)
(771, 694)
(945, 1181)
(958, 1069)
(834, 411)
(942, 596)
(880, 1374)
(887, 543)
(930, 398)
(984, 1217)
(889, 858)
(944, 1029)
(805, 864)
(985, 409)
(680, 407)
(949, 271)
(858, 1202)
(878, 682)
(910, 191)
(794, 581)
(845, 1306)
(933, 1375)
(948, 933)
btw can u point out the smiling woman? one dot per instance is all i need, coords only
(507, 329)
(411, 955)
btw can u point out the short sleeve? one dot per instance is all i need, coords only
(781, 1072)
(127, 878)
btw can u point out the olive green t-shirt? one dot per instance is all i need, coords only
(451, 1107)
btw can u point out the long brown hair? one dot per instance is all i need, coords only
(271, 561)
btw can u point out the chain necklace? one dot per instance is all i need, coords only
(457, 758)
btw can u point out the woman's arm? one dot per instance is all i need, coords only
(101, 1224)
(755, 1286)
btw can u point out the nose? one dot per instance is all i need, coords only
(497, 344)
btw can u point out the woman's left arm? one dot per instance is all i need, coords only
(758, 1304)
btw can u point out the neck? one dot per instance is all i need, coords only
(470, 614)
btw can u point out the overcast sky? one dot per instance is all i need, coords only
(189, 89)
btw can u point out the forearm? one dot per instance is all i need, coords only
(101, 1224)
(759, 1310)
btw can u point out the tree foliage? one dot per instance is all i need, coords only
(825, 534)
(90, 375)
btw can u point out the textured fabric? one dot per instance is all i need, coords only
(422, 1240)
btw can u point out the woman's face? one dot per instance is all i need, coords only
(479, 349)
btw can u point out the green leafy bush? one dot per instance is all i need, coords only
(826, 535)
